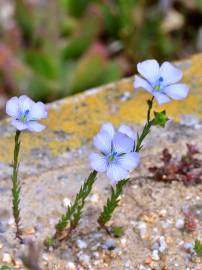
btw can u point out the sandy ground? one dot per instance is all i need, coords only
(151, 214)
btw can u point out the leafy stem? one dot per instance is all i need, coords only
(74, 211)
(112, 203)
(16, 188)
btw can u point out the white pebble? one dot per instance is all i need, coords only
(70, 266)
(179, 224)
(109, 244)
(11, 221)
(81, 244)
(123, 241)
(142, 227)
(84, 259)
(163, 212)
(188, 246)
(94, 198)
(6, 258)
(155, 255)
(163, 245)
(66, 202)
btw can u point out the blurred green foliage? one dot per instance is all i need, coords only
(58, 48)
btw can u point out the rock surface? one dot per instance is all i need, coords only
(55, 162)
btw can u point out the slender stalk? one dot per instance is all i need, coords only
(16, 188)
(147, 127)
(150, 105)
(74, 211)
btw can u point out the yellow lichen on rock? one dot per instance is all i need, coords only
(73, 121)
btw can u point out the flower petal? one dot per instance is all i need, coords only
(177, 91)
(116, 173)
(103, 142)
(170, 73)
(161, 98)
(129, 161)
(149, 69)
(12, 108)
(34, 126)
(25, 104)
(19, 125)
(122, 143)
(98, 162)
(141, 83)
(37, 111)
(127, 131)
(108, 127)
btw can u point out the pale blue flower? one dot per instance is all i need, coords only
(117, 157)
(25, 113)
(161, 81)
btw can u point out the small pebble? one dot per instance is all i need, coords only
(179, 224)
(142, 227)
(123, 241)
(66, 202)
(188, 246)
(94, 198)
(163, 212)
(11, 221)
(81, 244)
(96, 254)
(28, 231)
(163, 245)
(109, 244)
(126, 95)
(70, 266)
(148, 260)
(84, 258)
(6, 258)
(155, 255)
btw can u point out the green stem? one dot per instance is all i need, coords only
(150, 105)
(74, 211)
(112, 203)
(147, 127)
(16, 188)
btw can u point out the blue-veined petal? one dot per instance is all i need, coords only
(37, 111)
(12, 107)
(108, 127)
(177, 91)
(170, 73)
(129, 161)
(122, 143)
(98, 162)
(142, 83)
(103, 142)
(127, 131)
(34, 126)
(161, 98)
(116, 173)
(25, 104)
(19, 125)
(149, 69)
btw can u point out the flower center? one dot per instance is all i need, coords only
(112, 156)
(24, 117)
(158, 85)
